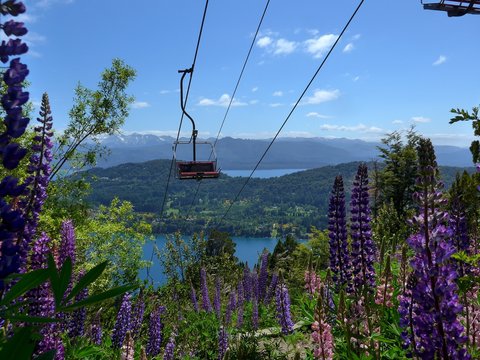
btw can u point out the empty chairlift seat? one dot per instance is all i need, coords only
(454, 7)
(197, 170)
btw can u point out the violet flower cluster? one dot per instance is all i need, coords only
(170, 348)
(222, 343)
(137, 316)
(337, 232)
(37, 182)
(429, 311)
(123, 323)
(96, 332)
(155, 331)
(193, 298)
(230, 308)
(240, 304)
(283, 309)
(247, 283)
(363, 247)
(271, 289)
(207, 306)
(12, 221)
(77, 322)
(255, 314)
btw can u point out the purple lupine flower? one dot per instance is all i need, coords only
(193, 298)
(217, 304)
(255, 314)
(283, 309)
(96, 333)
(67, 243)
(271, 288)
(206, 305)
(240, 304)
(123, 322)
(14, 125)
(429, 314)
(41, 302)
(222, 343)
(137, 316)
(170, 347)
(230, 308)
(263, 276)
(254, 278)
(155, 331)
(363, 247)
(77, 322)
(247, 283)
(337, 232)
(37, 182)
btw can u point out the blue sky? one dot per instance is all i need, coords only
(397, 65)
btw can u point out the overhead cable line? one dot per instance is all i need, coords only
(233, 96)
(180, 125)
(292, 110)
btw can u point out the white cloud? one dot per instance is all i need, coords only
(278, 93)
(356, 36)
(253, 102)
(317, 115)
(163, 92)
(275, 104)
(357, 128)
(348, 48)
(320, 45)
(356, 78)
(313, 32)
(26, 18)
(264, 41)
(441, 59)
(283, 46)
(421, 119)
(321, 96)
(222, 101)
(397, 122)
(254, 89)
(33, 38)
(140, 105)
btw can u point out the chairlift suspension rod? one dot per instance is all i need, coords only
(182, 105)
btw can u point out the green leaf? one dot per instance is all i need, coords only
(28, 282)
(99, 297)
(87, 279)
(20, 346)
(65, 278)
(54, 277)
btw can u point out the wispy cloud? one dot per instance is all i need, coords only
(253, 102)
(254, 89)
(320, 45)
(321, 96)
(441, 59)
(356, 78)
(140, 105)
(278, 93)
(357, 128)
(283, 46)
(222, 101)
(315, 114)
(275, 104)
(421, 119)
(397, 122)
(348, 48)
(163, 92)
(264, 41)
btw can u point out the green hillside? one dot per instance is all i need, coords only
(290, 203)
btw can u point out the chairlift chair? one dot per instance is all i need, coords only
(195, 169)
(455, 7)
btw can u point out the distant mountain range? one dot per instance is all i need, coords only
(242, 154)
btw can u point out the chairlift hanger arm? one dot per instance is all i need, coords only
(182, 104)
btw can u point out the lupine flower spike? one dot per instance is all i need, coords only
(222, 343)
(337, 232)
(123, 323)
(155, 332)
(207, 306)
(322, 333)
(283, 309)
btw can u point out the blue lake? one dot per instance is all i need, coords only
(247, 250)
(261, 174)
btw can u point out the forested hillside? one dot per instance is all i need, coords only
(290, 203)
